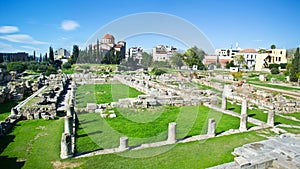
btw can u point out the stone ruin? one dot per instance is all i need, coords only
(41, 104)
(262, 99)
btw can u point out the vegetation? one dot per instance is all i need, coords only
(148, 126)
(229, 64)
(295, 67)
(5, 109)
(275, 71)
(273, 46)
(32, 144)
(16, 66)
(104, 93)
(157, 71)
(196, 154)
(146, 60)
(176, 61)
(274, 86)
(194, 56)
(260, 115)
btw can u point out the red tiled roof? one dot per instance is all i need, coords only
(248, 51)
(108, 36)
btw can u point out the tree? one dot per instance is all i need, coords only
(275, 70)
(98, 51)
(34, 55)
(273, 46)
(146, 59)
(46, 57)
(194, 56)
(294, 67)
(51, 55)
(230, 64)
(16, 66)
(75, 54)
(239, 59)
(176, 60)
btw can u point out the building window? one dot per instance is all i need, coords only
(279, 59)
(281, 52)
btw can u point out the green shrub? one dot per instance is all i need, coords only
(273, 65)
(275, 70)
(283, 65)
(16, 66)
(67, 65)
(157, 71)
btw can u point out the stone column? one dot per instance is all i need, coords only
(13, 111)
(223, 102)
(68, 124)
(69, 113)
(171, 133)
(270, 121)
(211, 130)
(243, 122)
(66, 146)
(244, 107)
(123, 143)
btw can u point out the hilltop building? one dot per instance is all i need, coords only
(107, 43)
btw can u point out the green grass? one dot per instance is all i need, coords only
(204, 87)
(5, 109)
(104, 93)
(31, 144)
(274, 86)
(260, 115)
(68, 71)
(296, 115)
(196, 154)
(147, 127)
(291, 130)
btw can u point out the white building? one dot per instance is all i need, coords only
(271, 56)
(249, 56)
(135, 53)
(62, 55)
(163, 53)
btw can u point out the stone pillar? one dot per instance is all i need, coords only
(270, 121)
(123, 143)
(13, 111)
(69, 113)
(66, 146)
(244, 107)
(68, 124)
(211, 130)
(243, 122)
(223, 102)
(171, 133)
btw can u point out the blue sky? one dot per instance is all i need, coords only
(37, 24)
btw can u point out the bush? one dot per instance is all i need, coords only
(283, 65)
(271, 66)
(157, 71)
(275, 70)
(237, 75)
(67, 65)
(16, 66)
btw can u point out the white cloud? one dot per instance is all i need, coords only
(8, 29)
(258, 40)
(31, 48)
(69, 25)
(21, 38)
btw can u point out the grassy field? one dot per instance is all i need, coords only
(31, 144)
(260, 115)
(274, 86)
(296, 115)
(5, 109)
(95, 132)
(291, 130)
(104, 93)
(188, 155)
